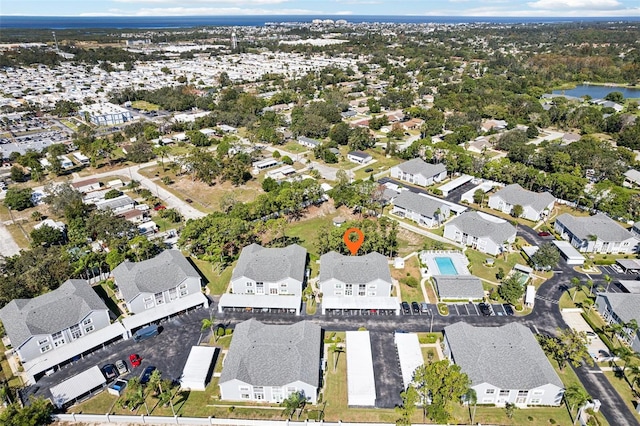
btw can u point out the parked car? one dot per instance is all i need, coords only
(405, 308)
(159, 207)
(121, 366)
(109, 371)
(146, 374)
(485, 309)
(135, 360)
(507, 309)
(591, 335)
(424, 308)
(415, 307)
(146, 333)
(368, 170)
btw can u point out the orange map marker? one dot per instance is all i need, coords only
(353, 246)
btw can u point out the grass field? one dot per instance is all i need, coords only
(145, 106)
(217, 281)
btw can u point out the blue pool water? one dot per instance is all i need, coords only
(446, 266)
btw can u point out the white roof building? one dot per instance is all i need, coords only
(361, 385)
(197, 369)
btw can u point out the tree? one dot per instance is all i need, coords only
(511, 290)
(438, 385)
(478, 196)
(292, 403)
(607, 279)
(140, 151)
(269, 184)
(575, 284)
(161, 151)
(409, 400)
(517, 210)
(532, 132)
(18, 198)
(339, 133)
(471, 398)
(37, 413)
(336, 350)
(510, 409)
(575, 395)
(46, 235)
(570, 346)
(112, 193)
(17, 174)
(617, 97)
(546, 257)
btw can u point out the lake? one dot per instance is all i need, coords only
(598, 92)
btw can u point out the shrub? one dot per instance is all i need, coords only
(411, 282)
(552, 421)
(362, 329)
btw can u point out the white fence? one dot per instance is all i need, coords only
(157, 420)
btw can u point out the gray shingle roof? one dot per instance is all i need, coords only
(417, 203)
(625, 305)
(51, 312)
(271, 264)
(273, 355)
(600, 225)
(418, 166)
(478, 225)
(165, 271)
(459, 287)
(508, 357)
(354, 269)
(633, 175)
(516, 195)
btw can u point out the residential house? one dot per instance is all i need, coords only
(308, 142)
(51, 329)
(359, 157)
(478, 145)
(59, 226)
(87, 185)
(158, 288)
(117, 205)
(267, 278)
(535, 205)
(505, 364)
(621, 308)
(423, 209)
(488, 125)
(419, 173)
(356, 282)
(267, 363)
(631, 178)
(596, 234)
(481, 231)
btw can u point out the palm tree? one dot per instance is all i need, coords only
(161, 151)
(337, 350)
(634, 373)
(616, 330)
(574, 283)
(608, 280)
(471, 397)
(292, 403)
(590, 284)
(575, 395)
(625, 354)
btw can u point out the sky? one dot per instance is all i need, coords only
(494, 8)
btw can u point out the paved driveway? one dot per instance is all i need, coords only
(386, 368)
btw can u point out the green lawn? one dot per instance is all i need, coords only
(109, 297)
(216, 281)
(144, 105)
(624, 390)
(478, 267)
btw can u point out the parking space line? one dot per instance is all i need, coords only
(475, 309)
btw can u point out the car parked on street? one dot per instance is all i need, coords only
(405, 308)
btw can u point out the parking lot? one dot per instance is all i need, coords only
(168, 352)
(463, 309)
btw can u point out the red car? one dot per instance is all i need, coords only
(159, 207)
(135, 360)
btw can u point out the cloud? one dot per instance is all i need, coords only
(493, 11)
(575, 4)
(357, 2)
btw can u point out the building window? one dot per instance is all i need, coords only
(250, 291)
(148, 302)
(535, 401)
(87, 321)
(348, 290)
(260, 288)
(338, 293)
(159, 298)
(244, 393)
(89, 329)
(538, 392)
(362, 289)
(43, 341)
(490, 391)
(75, 332)
(57, 338)
(249, 283)
(290, 390)
(182, 290)
(487, 400)
(504, 392)
(45, 348)
(173, 294)
(273, 290)
(258, 393)
(371, 293)
(523, 393)
(338, 285)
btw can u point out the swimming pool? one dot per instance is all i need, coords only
(446, 266)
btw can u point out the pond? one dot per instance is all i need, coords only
(598, 92)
